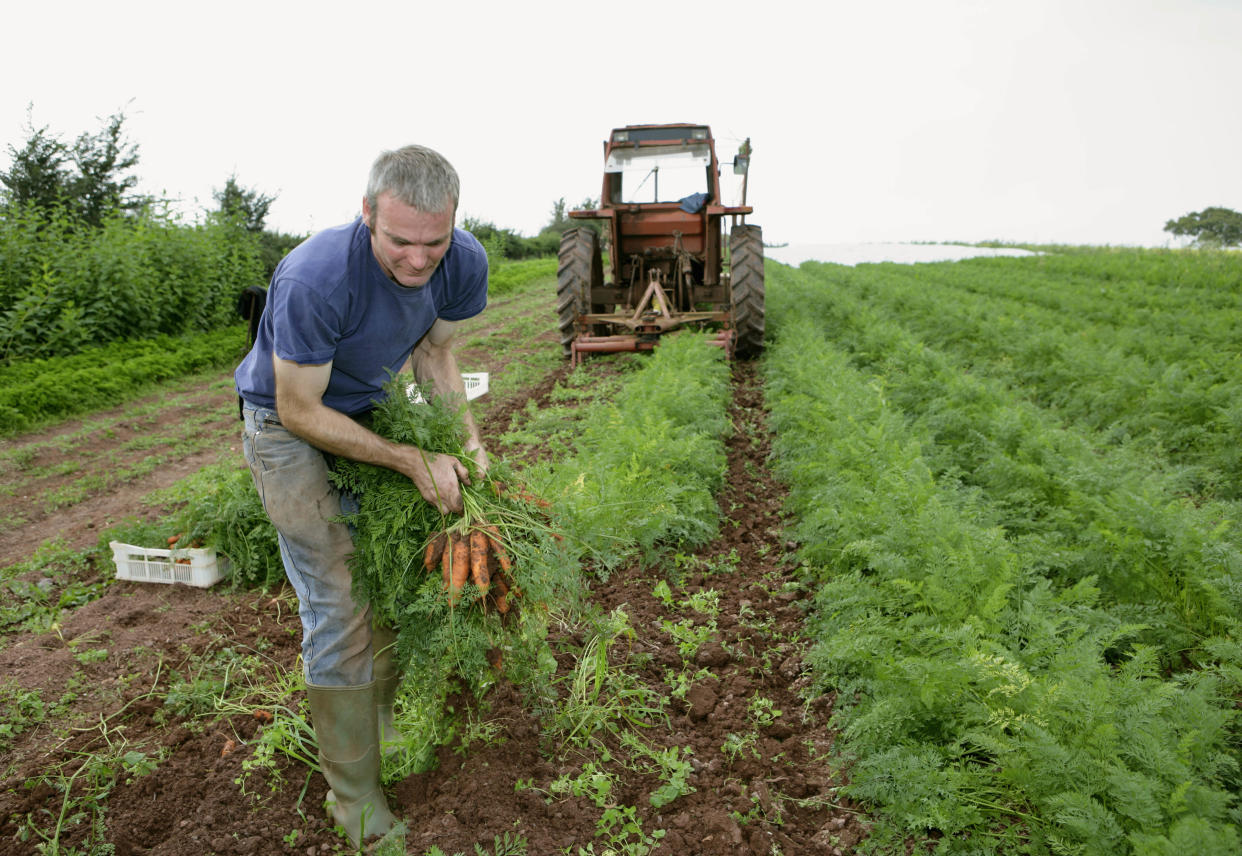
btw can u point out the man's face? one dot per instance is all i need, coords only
(407, 243)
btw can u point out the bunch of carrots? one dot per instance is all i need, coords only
(476, 553)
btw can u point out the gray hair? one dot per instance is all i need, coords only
(416, 175)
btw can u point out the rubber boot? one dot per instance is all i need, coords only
(387, 680)
(344, 723)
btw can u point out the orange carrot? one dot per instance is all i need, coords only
(446, 563)
(502, 592)
(461, 568)
(528, 497)
(521, 493)
(435, 549)
(502, 558)
(478, 560)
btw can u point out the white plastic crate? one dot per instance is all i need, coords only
(192, 566)
(476, 384)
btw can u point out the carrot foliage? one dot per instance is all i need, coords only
(447, 649)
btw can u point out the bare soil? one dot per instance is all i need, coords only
(103, 671)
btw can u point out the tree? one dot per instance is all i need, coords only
(101, 186)
(560, 221)
(1220, 227)
(246, 206)
(88, 179)
(38, 174)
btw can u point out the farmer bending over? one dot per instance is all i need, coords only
(347, 306)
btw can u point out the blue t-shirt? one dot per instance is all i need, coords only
(330, 300)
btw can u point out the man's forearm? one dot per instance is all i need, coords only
(332, 431)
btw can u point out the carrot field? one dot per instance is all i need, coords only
(1016, 482)
(955, 567)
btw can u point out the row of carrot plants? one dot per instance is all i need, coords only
(1032, 636)
(35, 392)
(1122, 308)
(1207, 270)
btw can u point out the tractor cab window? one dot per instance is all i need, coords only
(658, 173)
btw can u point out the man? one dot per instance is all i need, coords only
(345, 307)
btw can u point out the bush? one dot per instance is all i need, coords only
(63, 288)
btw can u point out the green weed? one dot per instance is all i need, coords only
(622, 833)
(509, 844)
(593, 782)
(600, 696)
(670, 764)
(19, 710)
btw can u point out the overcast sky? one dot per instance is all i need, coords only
(1072, 121)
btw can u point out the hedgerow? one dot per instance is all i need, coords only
(63, 289)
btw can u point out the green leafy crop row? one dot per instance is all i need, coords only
(1136, 362)
(1026, 657)
(37, 391)
(1088, 507)
(645, 468)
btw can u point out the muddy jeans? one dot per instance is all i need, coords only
(292, 479)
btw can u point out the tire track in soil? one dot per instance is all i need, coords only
(78, 525)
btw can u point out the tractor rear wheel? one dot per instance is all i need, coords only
(746, 286)
(579, 268)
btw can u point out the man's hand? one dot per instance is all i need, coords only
(438, 478)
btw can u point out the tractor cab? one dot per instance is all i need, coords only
(660, 170)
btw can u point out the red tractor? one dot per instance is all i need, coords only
(663, 232)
